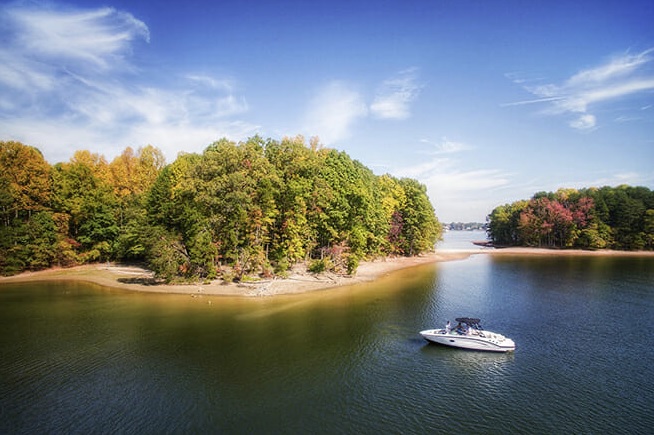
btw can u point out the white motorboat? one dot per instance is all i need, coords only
(469, 334)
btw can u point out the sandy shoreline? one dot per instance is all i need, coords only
(135, 278)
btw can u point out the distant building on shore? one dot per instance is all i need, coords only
(465, 226)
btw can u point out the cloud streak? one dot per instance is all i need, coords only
(395, 95)
(446, 146)
(77, 71)
(449, 179)
(337, 106)
(70, 70)
(620, 77)
(333, 111)
(96, 38)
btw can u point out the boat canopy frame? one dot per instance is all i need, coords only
(470, 321)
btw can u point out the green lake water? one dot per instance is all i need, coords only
(77, 358)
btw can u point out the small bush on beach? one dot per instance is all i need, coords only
(320, 266)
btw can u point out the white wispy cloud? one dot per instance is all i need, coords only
(621, 76)
(99, 37)
(449, 177)
(621, 66)
(68, 81)
(395, 95)
(606, 178)
(333, 111)
(204, 80)
(584, 122)
(337, 106)
(457, 190)
(445, 146)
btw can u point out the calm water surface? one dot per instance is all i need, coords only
(77, 358)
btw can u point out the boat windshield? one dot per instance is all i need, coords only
(470, 322)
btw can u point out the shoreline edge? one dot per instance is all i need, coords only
(127, 277)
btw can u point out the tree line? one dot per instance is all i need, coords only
(236, 210)
(620, 218)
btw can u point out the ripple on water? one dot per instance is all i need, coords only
(345, 362)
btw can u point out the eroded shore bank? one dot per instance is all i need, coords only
(138, 279)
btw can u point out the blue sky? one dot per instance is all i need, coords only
(486, 102)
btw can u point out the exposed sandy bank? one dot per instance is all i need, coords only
(566, 252)
(138, 279)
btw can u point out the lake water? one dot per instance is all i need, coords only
(76, 358)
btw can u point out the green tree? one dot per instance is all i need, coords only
(648, 228)
(167, 256)
(24, 181)
(171, 212)
(236, 187)
(91, 204)
(292, 237)
(132, 176)
(504, 223)
(421, 228)
(25, 200)
(41, 241)
(594, 218)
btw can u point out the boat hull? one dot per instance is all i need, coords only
(485, 341)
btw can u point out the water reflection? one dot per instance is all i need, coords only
(350, 360)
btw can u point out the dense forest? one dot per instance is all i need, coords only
(236, 211)
(620, 218)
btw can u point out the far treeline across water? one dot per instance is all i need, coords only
(619, 218)
(236, 211)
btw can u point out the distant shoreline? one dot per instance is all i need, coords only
(134, 278)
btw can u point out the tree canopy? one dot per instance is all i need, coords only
(620, 218)
(236, 210)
